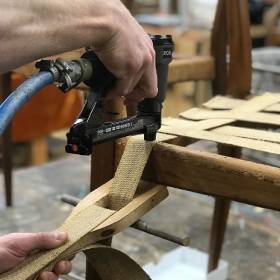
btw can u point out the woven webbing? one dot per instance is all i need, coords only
(86, 217)
(76, 226)
(129, 172)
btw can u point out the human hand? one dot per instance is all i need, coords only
(16, 247)
(128, 53)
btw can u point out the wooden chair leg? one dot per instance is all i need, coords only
(7, 144)
(103, 169)
(7, 166)
(220, 216)
(219, 225)
(39, 151)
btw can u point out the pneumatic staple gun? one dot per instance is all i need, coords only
(90, 127)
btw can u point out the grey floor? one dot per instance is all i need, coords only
(252, 241)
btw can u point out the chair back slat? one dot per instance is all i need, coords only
(219, 41)
(231, 35)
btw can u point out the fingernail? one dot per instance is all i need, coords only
(60, 236)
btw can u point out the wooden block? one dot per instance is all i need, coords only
(39, 151)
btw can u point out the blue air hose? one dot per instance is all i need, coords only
(22, 95)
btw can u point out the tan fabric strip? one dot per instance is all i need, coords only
(129, 171)
(88, 218)
(263, 135)
(204, 125)
(223, 103)
(223, 139)
(273, 108)
(149, 196)
(258, 103)
(263, 118)
(164, 137)
(227, 103)
(175, 121)
(248, 111)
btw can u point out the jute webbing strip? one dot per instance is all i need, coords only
(221, 128)
(76, 226)
(227, 103)
(223, 139)
(263, 135)
(275, 108)
(223, 103)
(248, 111)
(258, 103)
(86, 216)
(129, 171)
(203, 125)
(196, 123)
(253, 117)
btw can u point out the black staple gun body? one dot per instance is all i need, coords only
(90, 127)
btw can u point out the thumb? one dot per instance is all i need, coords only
(27, 242)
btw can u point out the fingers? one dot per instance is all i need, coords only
(48, 276)
(121, 88)
(135, 97)
(132, 61)
(24, 243)
(146, 88)
(149, 83)
(137, 86)
(63, 267)
(45, 240)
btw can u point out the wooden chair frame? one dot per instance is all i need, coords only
(231, 32)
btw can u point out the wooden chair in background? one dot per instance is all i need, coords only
(6, 141)
(231, 28)
(271, 23)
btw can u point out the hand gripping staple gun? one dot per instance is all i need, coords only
(90, 127)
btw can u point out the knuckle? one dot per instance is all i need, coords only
(148, 59)
(154, 93)
(153, 53)
(64, 267)
(133, 65)
(153, 90)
